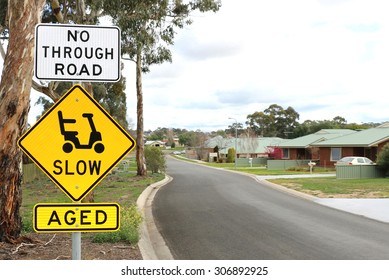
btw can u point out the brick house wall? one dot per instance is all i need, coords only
(325, 156)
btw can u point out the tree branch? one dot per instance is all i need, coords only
(48, 91)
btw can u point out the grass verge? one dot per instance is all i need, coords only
(120, 186)
(325, 187)
(334, 188)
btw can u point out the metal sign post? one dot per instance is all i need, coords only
(76, 236)
(76, 245)
(83, 143)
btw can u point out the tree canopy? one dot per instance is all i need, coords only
(275, 121)
(283, 123)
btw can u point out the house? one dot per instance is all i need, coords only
(302, 147)
(245, 147)
(367, 143)
(159, 144)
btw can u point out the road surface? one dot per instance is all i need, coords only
(205, 213)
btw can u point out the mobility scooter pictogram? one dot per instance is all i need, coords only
(71, 139)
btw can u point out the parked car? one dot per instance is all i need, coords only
(354, 161)
(179, 152)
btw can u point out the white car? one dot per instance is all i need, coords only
(354, 161)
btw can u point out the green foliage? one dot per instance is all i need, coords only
(3, 12)
(129, 228)
(113, 98)
(158, 134)
(275, 121)
(155, 159)
(235, 127)
(192, 138)
(383, 158)
(148, 27)
(309, 126)
(298, 168)
(27, 224)
(231, 155)
(280, 122)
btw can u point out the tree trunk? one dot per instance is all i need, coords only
(15, 89)
(140, 149)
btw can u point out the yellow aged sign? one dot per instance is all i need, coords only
(72, 217)
(76, 143)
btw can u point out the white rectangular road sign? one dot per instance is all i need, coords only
(77, 53)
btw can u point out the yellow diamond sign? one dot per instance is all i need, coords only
(76, 143)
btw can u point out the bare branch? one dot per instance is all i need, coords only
(47, 90)
(62, 257)
(2, 51)
(48, 242)
(21, 245)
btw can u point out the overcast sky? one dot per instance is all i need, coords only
(325, 58)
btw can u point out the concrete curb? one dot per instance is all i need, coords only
(263, 181)
(151, 244)
(285, 189)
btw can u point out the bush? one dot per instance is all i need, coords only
(383, 159)
(130, 220)
(231, 155)
(155, 159)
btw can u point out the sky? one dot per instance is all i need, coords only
(324, 58)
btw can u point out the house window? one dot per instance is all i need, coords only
(285, 153)
(336, 154)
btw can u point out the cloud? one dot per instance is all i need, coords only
(199, 50)
(324, 58)
(373, 27)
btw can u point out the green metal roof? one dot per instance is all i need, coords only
(244, 145)
(321, 135)
(365, 138)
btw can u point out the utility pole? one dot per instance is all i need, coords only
(236, 139)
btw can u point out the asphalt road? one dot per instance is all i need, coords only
(206, 213)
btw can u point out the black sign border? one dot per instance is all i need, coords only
(82, 205)
(78, 79)
(20, 142)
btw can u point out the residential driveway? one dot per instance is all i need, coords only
(373, 208)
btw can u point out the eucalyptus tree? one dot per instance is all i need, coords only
(274, 121)
(148, 30)
(18, 19)
(15, 86)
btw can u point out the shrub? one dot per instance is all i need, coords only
(383, 159)
(155, 159)
(129, 228)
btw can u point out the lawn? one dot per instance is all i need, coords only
(335, 188)
(321, 187)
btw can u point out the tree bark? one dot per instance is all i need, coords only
(140, 151)
(15, 89)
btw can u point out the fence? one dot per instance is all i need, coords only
(276, 164)
(32, 172)
(255, 162)
(358, 172)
